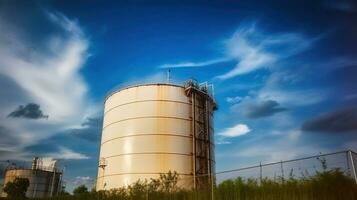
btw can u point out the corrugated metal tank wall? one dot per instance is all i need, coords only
(147, 130)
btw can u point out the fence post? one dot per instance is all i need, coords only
(261, 172)
(348, 164)
(353, 166)
(212, 186)
(282, 171)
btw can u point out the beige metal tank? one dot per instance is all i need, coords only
(148, 130)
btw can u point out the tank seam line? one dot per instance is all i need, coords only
(149, 100)
(171, 135)
(146, 153)
(165, 117)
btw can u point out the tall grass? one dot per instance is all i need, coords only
(326, 185)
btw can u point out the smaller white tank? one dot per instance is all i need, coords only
(45, 180)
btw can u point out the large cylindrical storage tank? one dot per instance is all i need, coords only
(42, 183)
(150, 129)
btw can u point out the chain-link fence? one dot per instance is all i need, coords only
(279, 180)
(344, 161)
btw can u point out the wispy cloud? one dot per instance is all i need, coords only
(277, 96)
(253, 49)
(234, 100)
(48, 75)
(51, 79)
(338, 62)
(195, 64)
(341, 5)
(67, 154)
(274, 90)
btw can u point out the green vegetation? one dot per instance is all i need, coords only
(17, 189)
(80, 190)
(326, 185)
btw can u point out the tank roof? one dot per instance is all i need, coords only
(38, 170)
(139, 85)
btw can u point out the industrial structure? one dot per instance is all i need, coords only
(44, 177)
(156, 128)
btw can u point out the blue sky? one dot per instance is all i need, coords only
(284, 74)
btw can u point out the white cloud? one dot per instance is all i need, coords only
(279, 88)
(234, 100)
(88, 181)
(235, 131)
(273, 90)
(48, 75)
(274, 147)
(249, 56)
(82, 180)
(50, 79)
(222, 140)
(67, 154)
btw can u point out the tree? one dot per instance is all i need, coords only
(169, 181)
(82, 189)
(165, 183)
(17, 188)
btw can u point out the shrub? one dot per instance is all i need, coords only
(17, 188)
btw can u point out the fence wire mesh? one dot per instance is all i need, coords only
(344, 161)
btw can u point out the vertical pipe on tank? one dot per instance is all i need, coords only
(353, 166)
(348, 164)
(59, 184)
(208, 130)
(206, 137)
(35, 188)
(53, 181)
(193, 97)
(34, 163)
